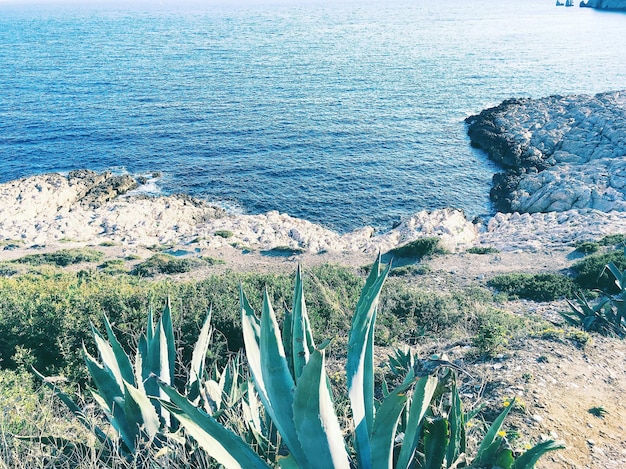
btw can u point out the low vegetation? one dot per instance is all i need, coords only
(284, 413)
(535, 287)
(482, 250)
(166, 264)
(62, 258)
(417, 249)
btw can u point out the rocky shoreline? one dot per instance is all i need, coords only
(87, 208)
(559, 153)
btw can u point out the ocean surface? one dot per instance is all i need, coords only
(343, 113)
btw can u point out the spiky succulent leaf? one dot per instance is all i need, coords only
(300, 328)
(419, 404)
(220, 443)
(278, 381)
(530, 457)
(384, 427)
(456, 420)
(198, 360)
(140, 410)
(435, 442)
(359, 365)
(488, 447)
(316, 423)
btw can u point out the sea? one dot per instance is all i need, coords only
(345, 113)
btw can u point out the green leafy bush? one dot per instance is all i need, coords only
(536, 287)
(493, 331)
(482, 250)
(588, 247)
(591, 273)
(418, 249)
(612, 240)
(62, 258)
(166, 264)
(224, 234)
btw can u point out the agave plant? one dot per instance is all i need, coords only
(608, 315)
(404, 429)
(129, 393)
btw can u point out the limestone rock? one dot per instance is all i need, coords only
(559, 153)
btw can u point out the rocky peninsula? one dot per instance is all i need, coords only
(559, 153)
(617, 5)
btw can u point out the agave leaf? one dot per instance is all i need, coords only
(420, 402)
(251, 328)
(167, 343)
(456, 420)
(77, 411)
(109, 359)
(486, 448)
(220, 443)
(435, 443)
(384, 428)
(121, 358)
(103, 378)
(198, 360)
(619, 276)
(278, 381)
(316, 423)
(300, 328)
(359, 365)
(139, 409)
(288, 339)
(530, 457)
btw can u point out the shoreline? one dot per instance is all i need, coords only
(52, 211)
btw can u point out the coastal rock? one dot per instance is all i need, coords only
(560, 153)
(50, 209)
(617, 5)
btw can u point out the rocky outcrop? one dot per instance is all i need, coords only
(51, 210)
(559, 153)
(617, 5)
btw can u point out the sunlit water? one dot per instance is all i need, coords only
(344, 114)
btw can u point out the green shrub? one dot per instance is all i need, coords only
(418, 249)
(493, 329)
(113, 267)
(612, 240)
(62, 258)
(591, 273)
(482, 250)
(535, 287)
(166, 264)
(283, 251)
(212, 260)
(224, 234)
(7, 269)
(407, 270)
(588, 247)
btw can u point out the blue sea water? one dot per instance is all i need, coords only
(344, 113)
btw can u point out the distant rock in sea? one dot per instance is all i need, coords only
(559, 153)
(618, 5)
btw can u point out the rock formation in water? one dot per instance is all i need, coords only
(617, 5)
(559, 153)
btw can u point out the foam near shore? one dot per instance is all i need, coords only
(90, 208)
